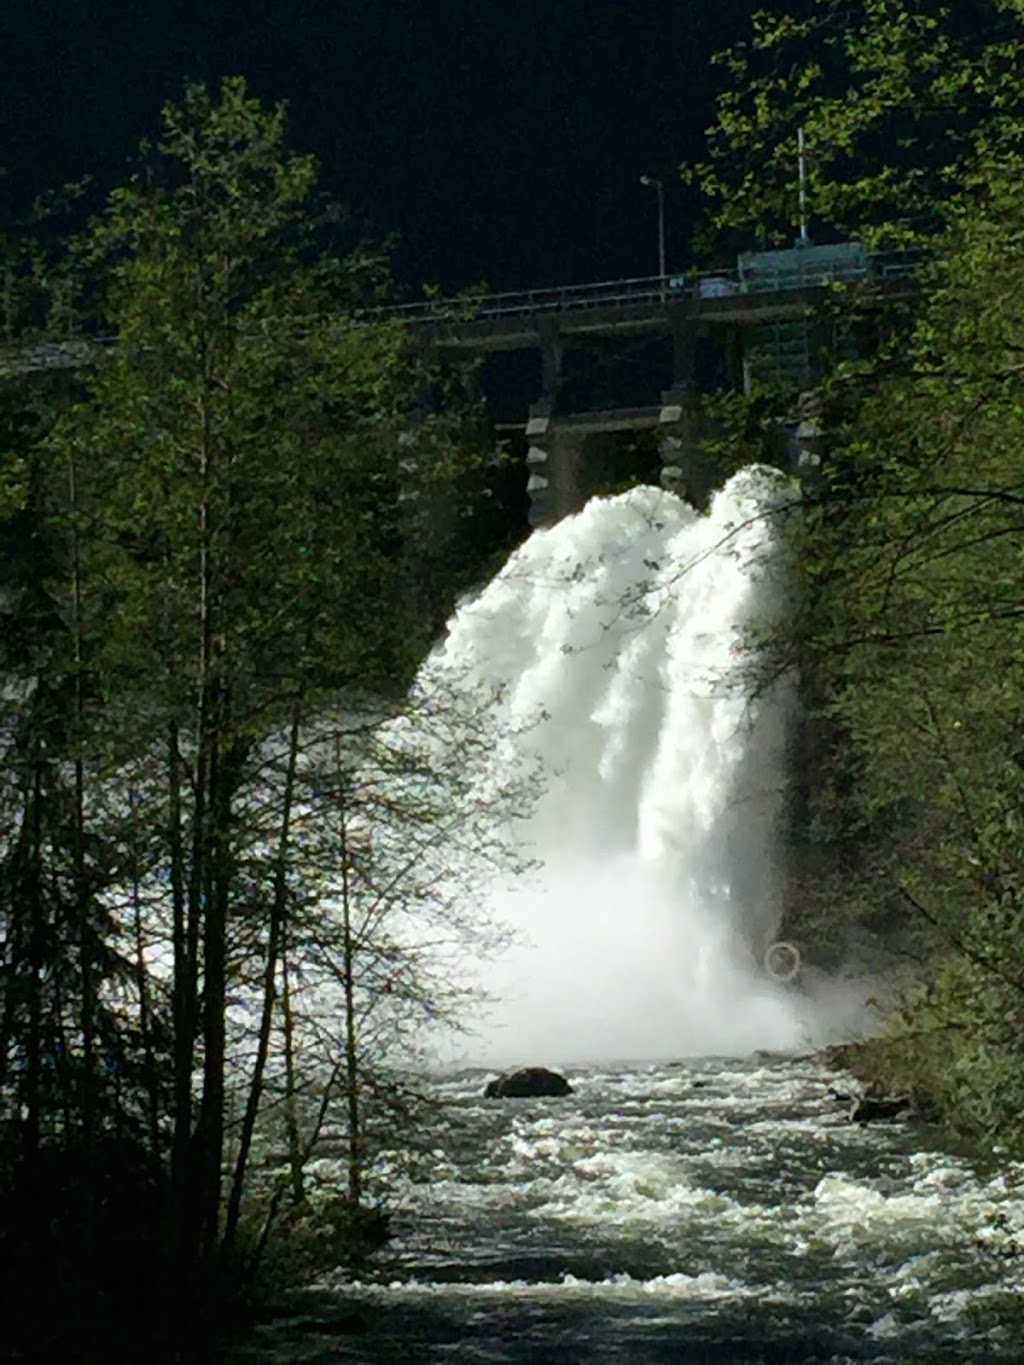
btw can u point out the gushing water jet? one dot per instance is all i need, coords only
(619, 645)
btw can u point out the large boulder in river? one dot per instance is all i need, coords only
(531, 1081)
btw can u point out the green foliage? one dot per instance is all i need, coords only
(246, 382)
(897, 99)
(325, 1231)
(907, 628)
(211, 621)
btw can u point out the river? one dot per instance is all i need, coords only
(708, 1210)
(712, 1211)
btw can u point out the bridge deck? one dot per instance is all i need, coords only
(513, 321)
(516, 321)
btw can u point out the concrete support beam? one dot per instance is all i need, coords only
(676, 423)
(735, 352)
(552, 353)
(684, 354)
(686, 438)
(554, 458)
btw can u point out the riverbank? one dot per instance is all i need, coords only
(928, 1069)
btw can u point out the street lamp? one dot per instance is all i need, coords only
(659, 185)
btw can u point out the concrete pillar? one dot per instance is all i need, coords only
(687, 438)
(552, 352)
(735, 350)
(677, 424)
(554, 458)
(673, 472)
(684, 354)
(537, 485)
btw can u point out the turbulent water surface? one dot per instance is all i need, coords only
(712, 1211)
(693, 1210)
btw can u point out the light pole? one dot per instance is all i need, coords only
(659, 185)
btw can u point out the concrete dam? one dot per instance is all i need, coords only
(761, 322)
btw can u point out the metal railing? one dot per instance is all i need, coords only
(651, 289)
(50, 353)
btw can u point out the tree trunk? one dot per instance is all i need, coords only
(278, 918)
(82, 898)
(32, 1131)
(152, 1075)
(353, 1097)
(210, 1130)
(296, 1160)
(184, 1012)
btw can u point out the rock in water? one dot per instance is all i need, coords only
(527, 1083)
(870, 1108)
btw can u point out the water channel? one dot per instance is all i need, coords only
(713, 1211)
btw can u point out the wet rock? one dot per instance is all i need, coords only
(839, 1096)
(346, 1324)
(696, 1082)
(527, 1083)
(880, 1108)
(770, 1055)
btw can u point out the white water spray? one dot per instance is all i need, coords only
(617, 644)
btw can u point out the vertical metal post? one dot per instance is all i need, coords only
(661, 238)
(659, 185)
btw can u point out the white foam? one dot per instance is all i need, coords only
(704, 1287)
(617, 644)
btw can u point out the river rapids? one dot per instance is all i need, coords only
(701, 1196)
(718, 1212)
